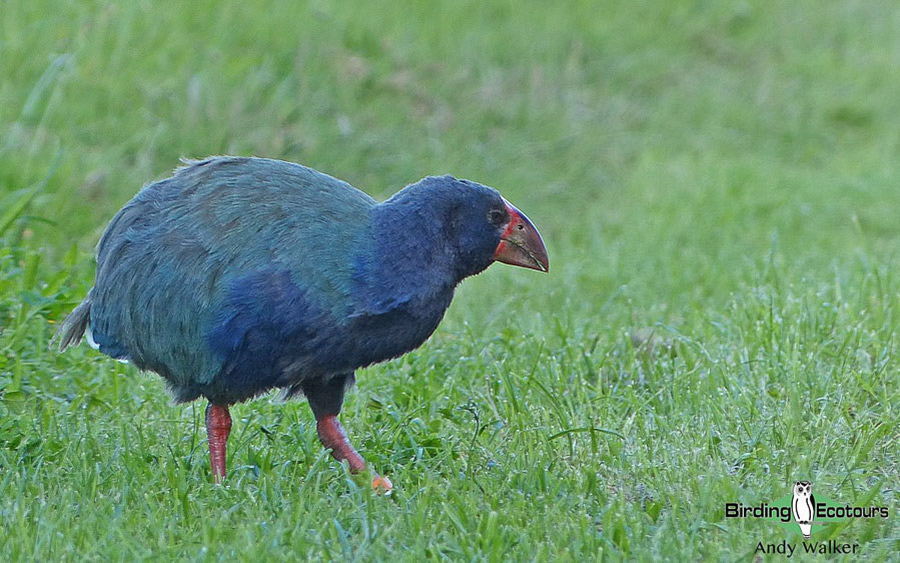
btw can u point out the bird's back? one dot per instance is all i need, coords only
(191, 268)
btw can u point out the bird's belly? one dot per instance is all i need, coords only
(359, 344)
(266, 356)
(382, 337)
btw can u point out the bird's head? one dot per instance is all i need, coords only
(474, 224)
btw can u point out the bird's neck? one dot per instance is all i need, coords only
(408, 260)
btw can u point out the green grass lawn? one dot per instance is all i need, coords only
(718, 184)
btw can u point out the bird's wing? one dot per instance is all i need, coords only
(172, 259)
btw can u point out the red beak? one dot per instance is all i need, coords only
(521, 243)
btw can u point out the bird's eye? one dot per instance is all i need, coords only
(497, 216)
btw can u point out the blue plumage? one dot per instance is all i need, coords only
(238, 275)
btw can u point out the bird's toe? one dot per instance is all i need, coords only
(382, 484)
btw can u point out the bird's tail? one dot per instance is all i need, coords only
(72, 329)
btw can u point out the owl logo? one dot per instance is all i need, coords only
(803, 505)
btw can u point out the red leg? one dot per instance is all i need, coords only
(218, 427)
(332, 436)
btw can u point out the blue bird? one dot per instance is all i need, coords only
(238, 275)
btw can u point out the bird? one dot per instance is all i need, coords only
(236, 276)
(803, 505)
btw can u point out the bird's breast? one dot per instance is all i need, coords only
(391, 333)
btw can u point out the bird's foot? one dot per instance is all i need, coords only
(382, 485)
(333, 437)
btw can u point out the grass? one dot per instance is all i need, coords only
(717, 184)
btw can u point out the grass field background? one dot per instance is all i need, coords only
(717, 183)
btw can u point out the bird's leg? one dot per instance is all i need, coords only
(218, 427)
(333, 437)
(325, 399)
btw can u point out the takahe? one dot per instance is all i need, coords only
(239, 275)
